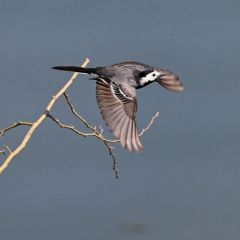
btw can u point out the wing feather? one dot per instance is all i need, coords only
(118, 106)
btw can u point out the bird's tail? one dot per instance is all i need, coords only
(170, 81)
(76, 69)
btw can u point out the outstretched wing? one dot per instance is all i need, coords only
(118, 106)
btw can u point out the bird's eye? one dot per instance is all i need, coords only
(154, 75)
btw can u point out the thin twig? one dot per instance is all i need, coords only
(3, 151)
(149, 125)
(114, 166)
(94, 133)
(76, 113)
(16, 124)
(8, 149)
(85, 122)
(72, 128)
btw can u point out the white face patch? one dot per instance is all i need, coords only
(150, 77)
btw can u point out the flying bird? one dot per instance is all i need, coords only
(116, 95)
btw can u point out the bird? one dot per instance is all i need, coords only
(116, 95)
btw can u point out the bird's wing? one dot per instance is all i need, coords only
(118, 106)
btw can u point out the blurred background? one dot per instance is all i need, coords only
(185, 185)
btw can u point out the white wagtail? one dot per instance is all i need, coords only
(116, 95)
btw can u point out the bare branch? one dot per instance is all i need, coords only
(39, 121)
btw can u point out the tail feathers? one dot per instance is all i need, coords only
(75, 69)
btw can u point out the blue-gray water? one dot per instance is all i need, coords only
(185, 185)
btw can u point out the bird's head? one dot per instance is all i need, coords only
(165, 78)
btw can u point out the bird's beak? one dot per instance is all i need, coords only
(170, 81)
